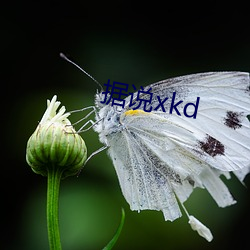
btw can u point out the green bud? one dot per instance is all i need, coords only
(55, 144)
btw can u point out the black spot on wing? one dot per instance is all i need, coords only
(248, 89)
(190, 181)
(233, 119)
(212, 146)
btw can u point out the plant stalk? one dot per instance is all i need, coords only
(53, 185)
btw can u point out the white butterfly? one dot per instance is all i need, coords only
(161, 157)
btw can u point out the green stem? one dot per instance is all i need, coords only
(54, 177)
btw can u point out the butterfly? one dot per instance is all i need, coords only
(160, 158)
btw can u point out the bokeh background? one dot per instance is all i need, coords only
(127, 41)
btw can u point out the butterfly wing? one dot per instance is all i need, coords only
(159, 155)
(221, 128)
(141, 183)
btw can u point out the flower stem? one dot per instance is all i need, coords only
(53, 185)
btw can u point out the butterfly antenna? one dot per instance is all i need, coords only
(68, 60)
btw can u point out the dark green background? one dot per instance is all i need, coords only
(127, 41)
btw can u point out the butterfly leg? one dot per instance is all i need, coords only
(83, 129)
(91, 155)
(86, 116)
(95, 152)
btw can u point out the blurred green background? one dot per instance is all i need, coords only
(127, 41)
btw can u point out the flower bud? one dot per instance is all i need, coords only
(55, 144)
